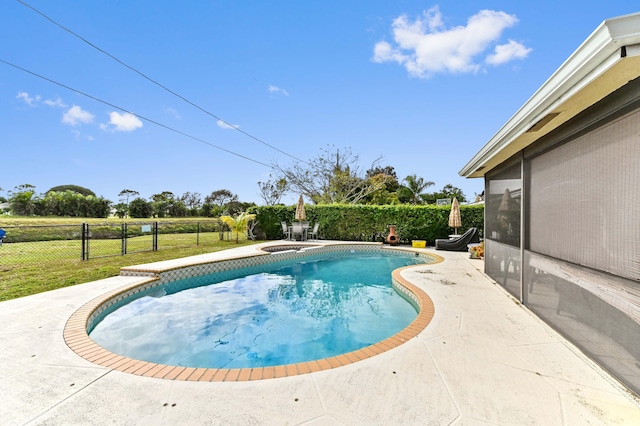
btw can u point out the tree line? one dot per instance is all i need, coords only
(335, 177)
(69, 200)
(77, 201)
(190, 204)
(332, 177)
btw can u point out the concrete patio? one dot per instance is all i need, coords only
(484, 359)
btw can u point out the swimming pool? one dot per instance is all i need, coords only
(250, 359)
(274, 314)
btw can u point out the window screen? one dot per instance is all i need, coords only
(584, 199)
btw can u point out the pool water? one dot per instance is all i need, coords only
(269, 315)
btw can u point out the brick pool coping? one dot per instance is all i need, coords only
(77, 339)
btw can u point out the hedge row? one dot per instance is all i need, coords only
(370, 223)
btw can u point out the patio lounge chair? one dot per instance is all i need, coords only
(459, 243)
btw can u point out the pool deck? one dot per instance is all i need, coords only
(484, 359)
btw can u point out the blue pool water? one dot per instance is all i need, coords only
(262, 316)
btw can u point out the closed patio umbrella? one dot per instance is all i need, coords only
(455, 221)
(505, 212)
(505, 203)
(300, 213)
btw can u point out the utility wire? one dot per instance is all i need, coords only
(129, 112)
(157, 83)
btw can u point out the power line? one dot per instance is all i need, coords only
(156, 82)
(129, 112)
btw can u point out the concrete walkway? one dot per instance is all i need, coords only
(483, 360)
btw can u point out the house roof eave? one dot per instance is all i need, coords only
(603, 63)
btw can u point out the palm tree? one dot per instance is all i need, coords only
(415, 186)
(238, 224)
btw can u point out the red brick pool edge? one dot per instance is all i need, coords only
(78, 340)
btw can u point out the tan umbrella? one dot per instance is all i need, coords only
(505, 203)
(300, 213)
(455, 221)
(504, 210)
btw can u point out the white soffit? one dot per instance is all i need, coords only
(607, 60)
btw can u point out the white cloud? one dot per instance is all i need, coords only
(126, 122)
(507, 52)
(425, 47)
(173, 113)
(76, 115)
(224, 125)
(24, 96)
(276, 89)
(34, 100)
(55, 103)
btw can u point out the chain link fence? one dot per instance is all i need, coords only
(29, 244)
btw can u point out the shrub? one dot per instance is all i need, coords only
(369, 222)
(140, 208)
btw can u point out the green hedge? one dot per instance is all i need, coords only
(370, 223)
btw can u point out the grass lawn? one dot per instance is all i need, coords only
(33, 267)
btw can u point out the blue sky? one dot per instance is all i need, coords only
(423, 85)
